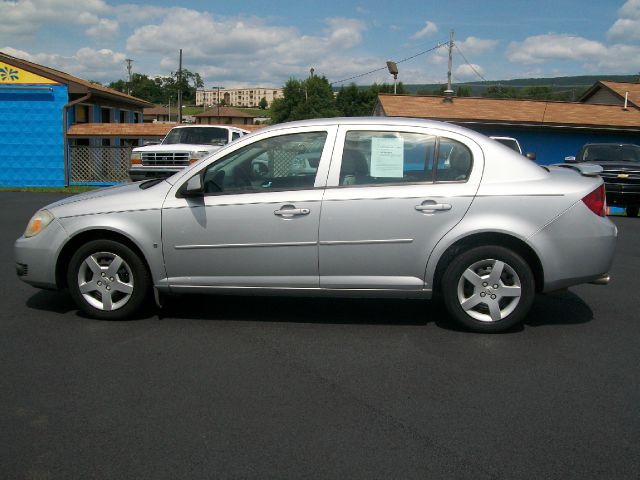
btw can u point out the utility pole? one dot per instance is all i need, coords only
(180, 89)
(450, 60)
(129, 62)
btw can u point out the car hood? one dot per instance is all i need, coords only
(112, 199)
(178, 147)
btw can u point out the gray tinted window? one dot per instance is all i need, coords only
(285, 162)
(373, 157)
(454, 161)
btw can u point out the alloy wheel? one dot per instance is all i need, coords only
(489, 290)
(105, 281)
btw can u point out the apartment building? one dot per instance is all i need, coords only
(237, 97)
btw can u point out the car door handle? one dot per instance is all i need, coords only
(432, 207)
(291, 211)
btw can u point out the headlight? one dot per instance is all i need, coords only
(195, 156)
(136, 158)
(38, 222)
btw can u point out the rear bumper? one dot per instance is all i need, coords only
(578, 247)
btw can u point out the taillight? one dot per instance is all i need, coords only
(596, 201)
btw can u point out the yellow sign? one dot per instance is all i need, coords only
(17, 76)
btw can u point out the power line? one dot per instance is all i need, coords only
(470, 65)
(439, 45)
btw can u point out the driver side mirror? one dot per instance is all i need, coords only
(193, 187)
(570, 159)
(531, 156)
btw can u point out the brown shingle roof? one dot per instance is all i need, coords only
(133, 129)
(621, 88)
(80, 85)
(485, 110)
(224, 112)
(158, 110)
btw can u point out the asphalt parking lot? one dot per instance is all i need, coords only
(248, 387)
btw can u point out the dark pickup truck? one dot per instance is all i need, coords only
(621, 172)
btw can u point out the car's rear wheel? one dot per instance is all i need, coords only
(488, 289)
(107, 280)
(632, 211)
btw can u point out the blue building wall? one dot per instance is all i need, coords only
(31, 135)
(552, 145)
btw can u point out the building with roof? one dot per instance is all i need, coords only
(224, 115)
(237, 97)
(158, 113)
(38, 106)
(612, 93)
(552, 130)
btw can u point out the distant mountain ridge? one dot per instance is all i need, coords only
(577, 83)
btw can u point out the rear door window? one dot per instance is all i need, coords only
(379, 157)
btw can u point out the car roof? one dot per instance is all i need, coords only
(378, 121)
(209, 126)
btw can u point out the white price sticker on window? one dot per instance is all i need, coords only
(387, 157)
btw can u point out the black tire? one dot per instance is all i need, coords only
(122, 291)
(488, 309)
(632, 211)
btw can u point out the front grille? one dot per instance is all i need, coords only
(166, 159)
(22, 269)
(621, 177)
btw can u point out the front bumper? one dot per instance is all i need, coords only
(623, 194)
(36, 257)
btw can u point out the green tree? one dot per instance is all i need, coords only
(538, 93)
(352, 101)
(440, 90)
(498, 91)
(302, 99)
(161, 89)
(142, 87)
(377, 88)
(263, 103)
(189, 83)
(464, 91)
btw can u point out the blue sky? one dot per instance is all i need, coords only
(265, 43)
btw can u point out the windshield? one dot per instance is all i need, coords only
(197, 136)
(611, 153)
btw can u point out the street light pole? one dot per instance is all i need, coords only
(180, 89)
(393, 70)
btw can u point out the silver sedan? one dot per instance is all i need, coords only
(362, 207)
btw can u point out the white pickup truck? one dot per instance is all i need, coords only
(182, 146)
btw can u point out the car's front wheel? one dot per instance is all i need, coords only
(488, 289)
(107, 280)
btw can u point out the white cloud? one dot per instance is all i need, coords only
(248, 49)
(345, 32)
(86, 63)
(542, 48)
(631, 9)
(477, 46)
(594, 56)
(105, 29)
(466, 72)
(627, 27)
(429, 29)
(136, 14)
(26, 17)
